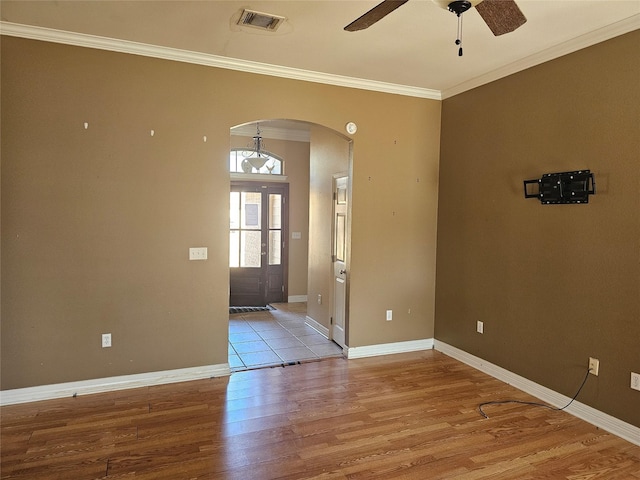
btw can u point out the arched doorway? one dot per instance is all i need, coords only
(310, 160)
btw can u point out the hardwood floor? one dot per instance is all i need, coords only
(406, 416)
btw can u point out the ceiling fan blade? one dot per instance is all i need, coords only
(376, 13)
(501, 16)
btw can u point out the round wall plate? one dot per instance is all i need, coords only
(351, 128)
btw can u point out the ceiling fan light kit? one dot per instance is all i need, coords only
(501, 16)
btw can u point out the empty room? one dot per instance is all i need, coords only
(452, 206)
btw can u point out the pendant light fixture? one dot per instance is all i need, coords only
(255, 154)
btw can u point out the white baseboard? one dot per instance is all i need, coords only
(297, 298)
(389, 348)
(589, 414)
(99, 385)
(321, 329)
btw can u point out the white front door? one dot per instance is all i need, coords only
(339, 257)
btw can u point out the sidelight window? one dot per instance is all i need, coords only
(245, 233)
(246, 246)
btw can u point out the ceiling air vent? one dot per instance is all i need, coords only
(265, 21)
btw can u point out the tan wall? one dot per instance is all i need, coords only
(554, 284)
(329, 156)
(296, 157)
(96, 223)
(394, 217)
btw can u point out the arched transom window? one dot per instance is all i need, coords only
(242, 160)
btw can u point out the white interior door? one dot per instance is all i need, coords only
(339, 257)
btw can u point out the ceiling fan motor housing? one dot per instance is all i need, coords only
(446, 4)
(459, 6)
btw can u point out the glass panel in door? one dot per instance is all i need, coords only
(257, 236)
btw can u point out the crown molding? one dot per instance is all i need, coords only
(167, 53)
(606, 33)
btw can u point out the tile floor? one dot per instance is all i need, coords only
(275, 337)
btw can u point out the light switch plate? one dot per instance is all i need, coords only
(198, 253)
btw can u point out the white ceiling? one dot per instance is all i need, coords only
(413, 47)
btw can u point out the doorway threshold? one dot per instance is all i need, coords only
(276, 338)
(233, 310)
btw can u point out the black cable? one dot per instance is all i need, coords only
(535, 404)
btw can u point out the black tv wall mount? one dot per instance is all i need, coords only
(563, 187)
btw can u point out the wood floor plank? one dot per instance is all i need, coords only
(407, 416)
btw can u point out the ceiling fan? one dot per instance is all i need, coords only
(501, 16)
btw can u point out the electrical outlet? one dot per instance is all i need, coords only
(319, 299)
(635, 381)
(594, 366)
(389, 315)
(480, 327)
(106, 340)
